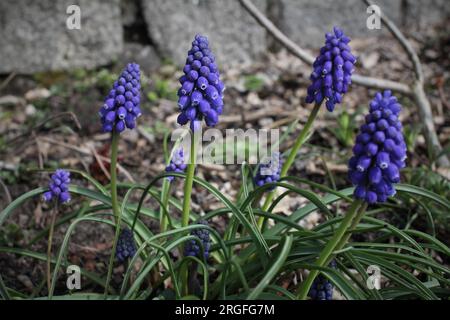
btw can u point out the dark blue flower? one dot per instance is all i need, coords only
(192, 248)
(126, 247)
(379, 152)
(322, 288)
(122, 105)
(332, 70)
(59, 186)
(201, 92)
(269, 171)
(177, 163)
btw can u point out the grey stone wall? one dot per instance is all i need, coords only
(34, 37)
(306, 21)
(173, 24)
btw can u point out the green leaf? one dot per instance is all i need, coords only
(273, 270)
(410, 189)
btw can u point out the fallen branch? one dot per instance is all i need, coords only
(414, 91)
(87, 152)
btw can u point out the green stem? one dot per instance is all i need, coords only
(165, 202)
(49, 247)
(115, 205)
(291, 158)
(355, 222)
(188, 183)
(187, 205)
(329, 248)
(300, 140)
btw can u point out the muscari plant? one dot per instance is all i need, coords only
(188, 258)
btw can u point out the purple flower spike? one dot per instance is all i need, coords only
(126, 247)
(59, 187)
(201, 93)
(192, 248)
(270, 171)
(379, 152)
(322, 288)
(332, 70)
(177, 163)
(122, 105)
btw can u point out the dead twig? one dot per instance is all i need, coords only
(5, 188)
(41, 124)
(100, 162)
(88, 152)
(7, 80)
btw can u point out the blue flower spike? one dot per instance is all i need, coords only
(177, 163)
(122, 105)
(59, 187)
(332, 71)
(192, 247)
(379, 152)
(322, 288)
(201, 93)
(270, 171)
(126, 247)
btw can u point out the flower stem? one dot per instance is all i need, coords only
(329, 248)
(115, 206)
(188, 183)
(355, 222)
(186, 206)
(49, 246)
(294, 150)
(165, 194)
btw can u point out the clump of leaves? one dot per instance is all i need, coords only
(162, 90)
(253, 83)
(345, 129)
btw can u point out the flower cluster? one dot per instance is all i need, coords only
(176, 163)
(332, 70)
(322, 288)
(192, 248)
(59, 186)
(201, 92)
(270, 171)
(122, 105)
(126, 248)
(379, 151)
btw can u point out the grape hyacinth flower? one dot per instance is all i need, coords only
(201, 93)
(122, 105)
(332, 70)
(269, 172)
(176, 163)
(379, 151)
(192, 249)
(322, 288)
(126, 247)
(59, 187)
